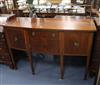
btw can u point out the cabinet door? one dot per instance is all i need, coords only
(77, 43)
(45, 42)
(16, 38)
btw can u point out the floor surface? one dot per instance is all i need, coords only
(46, 74)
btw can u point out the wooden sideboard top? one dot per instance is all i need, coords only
(58, 23)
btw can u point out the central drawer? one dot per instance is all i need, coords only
(45, 41)
(76, 43)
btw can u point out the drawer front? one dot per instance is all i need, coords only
(53, 46)
(16, 38)
(45, 41)
(37, 46)
(76, 43)
(50, 35)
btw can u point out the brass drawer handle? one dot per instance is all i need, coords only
(33, 33)
(76, 44)
(53, 35)
(15, 38)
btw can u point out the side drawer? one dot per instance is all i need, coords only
(77, 43)
(16, 38)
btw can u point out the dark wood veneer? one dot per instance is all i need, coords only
(61, 36)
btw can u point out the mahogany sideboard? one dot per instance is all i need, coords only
(67, 35)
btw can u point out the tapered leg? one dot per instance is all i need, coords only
(62, 66)
(87, 68)
(12, 66)
(31, 63)
(13, 63)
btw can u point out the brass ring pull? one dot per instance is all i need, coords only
(16, 39)
(53, 35)
(33, 33)
(76, 44)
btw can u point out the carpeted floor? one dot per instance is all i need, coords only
(46, 74)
